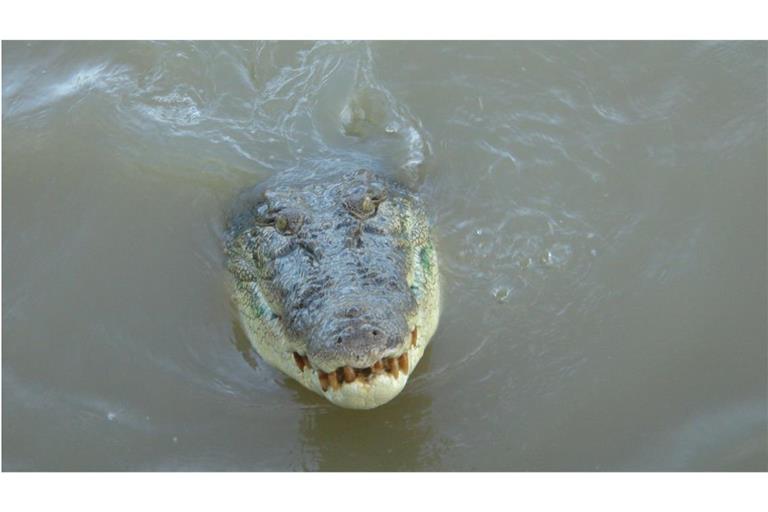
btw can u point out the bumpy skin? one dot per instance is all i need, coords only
(335, 274)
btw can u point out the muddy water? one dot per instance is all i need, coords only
(600, 210)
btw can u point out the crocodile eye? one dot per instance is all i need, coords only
(367, 206)
(364, 201)
(288, 221)
(360, 205)
(281, 223)
(377, 192)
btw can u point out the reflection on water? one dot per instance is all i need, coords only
(391, 438)
(599, 208)
(243, 345)
(732, 439)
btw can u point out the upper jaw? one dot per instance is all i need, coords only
(357, 342)
(394, 363)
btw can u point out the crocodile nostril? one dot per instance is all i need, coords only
(375, 332)
(339, 340)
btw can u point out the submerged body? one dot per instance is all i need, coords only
(336, 282)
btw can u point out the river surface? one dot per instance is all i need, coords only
(599, 210)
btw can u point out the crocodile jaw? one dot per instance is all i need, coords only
(269, 341)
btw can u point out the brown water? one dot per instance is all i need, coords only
(601, 216)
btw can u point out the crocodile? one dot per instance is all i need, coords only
(335, 281)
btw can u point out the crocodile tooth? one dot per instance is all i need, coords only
(377, 367)
(393, 367)
(334, 380)
(323, 377)
(349, 374)
(306, 362)
(403, 362)
(414, 336)
(299, 361)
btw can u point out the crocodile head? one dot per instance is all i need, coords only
(336, 283)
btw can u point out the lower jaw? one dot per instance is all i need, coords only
(362, 393)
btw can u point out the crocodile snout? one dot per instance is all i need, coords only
(357, 342)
